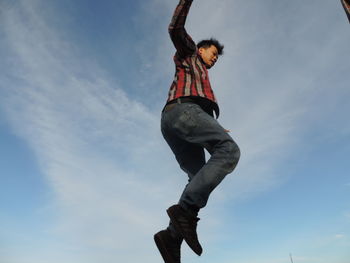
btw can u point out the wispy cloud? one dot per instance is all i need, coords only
(347, 215)
(272, 80)
(101, 150)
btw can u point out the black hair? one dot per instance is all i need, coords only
(207, 43)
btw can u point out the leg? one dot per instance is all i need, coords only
(188, 124)
(191, 159)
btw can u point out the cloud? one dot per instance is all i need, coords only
(347, 215)
(339, 236)
(101, 150)
(98, 147)
(275, 73)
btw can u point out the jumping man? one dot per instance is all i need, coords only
(188, 125)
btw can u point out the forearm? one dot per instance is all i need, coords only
(180, 14)
(182, 41)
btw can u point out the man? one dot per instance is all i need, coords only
(189, 127)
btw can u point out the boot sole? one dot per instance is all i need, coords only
(162, 249)
(179, 229)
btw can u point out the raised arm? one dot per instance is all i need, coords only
(182, 41)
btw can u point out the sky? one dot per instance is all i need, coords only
(85, 174)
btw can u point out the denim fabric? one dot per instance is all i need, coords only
(189, 130)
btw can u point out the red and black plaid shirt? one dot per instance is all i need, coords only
(191, 76)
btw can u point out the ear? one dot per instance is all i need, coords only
(200, 50)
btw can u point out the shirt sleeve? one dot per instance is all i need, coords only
(346, 5)
(183, 43)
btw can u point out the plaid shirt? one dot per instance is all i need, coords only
(346, 5)
(191, 76)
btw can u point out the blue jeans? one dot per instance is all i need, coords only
(189, 130)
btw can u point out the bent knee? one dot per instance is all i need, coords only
(233, 155)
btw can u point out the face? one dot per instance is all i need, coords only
(209, 55)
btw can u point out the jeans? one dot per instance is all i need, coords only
(189, 130)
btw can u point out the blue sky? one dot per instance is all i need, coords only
(85, 174)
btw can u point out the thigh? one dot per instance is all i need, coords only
(190, 123)
(191, 157)
(176, 127)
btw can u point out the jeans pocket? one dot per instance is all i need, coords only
(185, 123)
